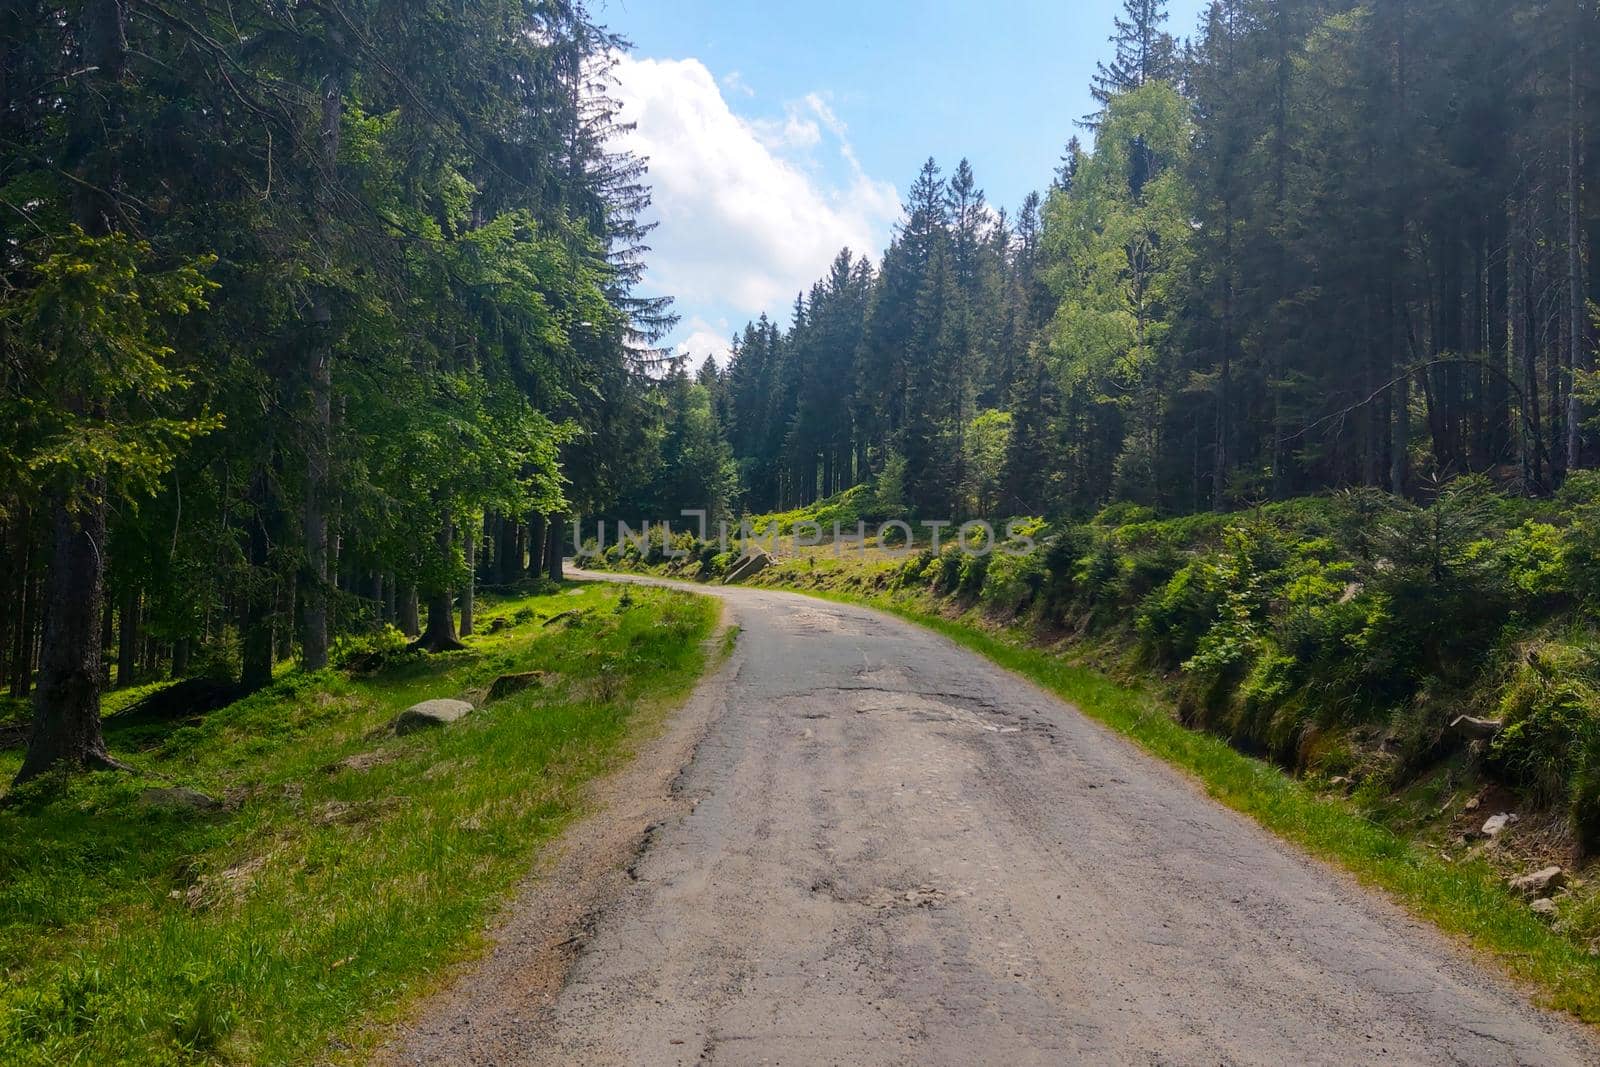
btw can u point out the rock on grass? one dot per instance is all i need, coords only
(431, 713)
(508, 684)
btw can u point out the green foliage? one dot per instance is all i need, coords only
(1551, 708)
(1586, 799)
(1013, 581)
(1172, 620)
(94, 378)
(370, 651)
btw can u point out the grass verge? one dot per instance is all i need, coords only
(347, 868)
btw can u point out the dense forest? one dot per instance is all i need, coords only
(320, 316)
(301, 303)
(1317, 244)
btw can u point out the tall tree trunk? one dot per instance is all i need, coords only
(410, 616)
(1577, 346)
(319, 373)
(552, 550)
(128, 637)
(107, 635)
(440, 636)
(66, 709)
(469, 592)
(66, 717)
(536, 544)
(1400, 405)
(510, 561)
(256, 659)
(1219, 454)
(28, 611)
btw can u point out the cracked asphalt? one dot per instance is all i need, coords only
(883, 849)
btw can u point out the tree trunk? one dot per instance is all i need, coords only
(319, 373)
(66, 709)
(256, 659)
(410, 617)
(1219, 456)
(28, 609)
(440, 635)
(552, 551)
(1400, 443)
(510, 568)
(536, 545)
(108, 634)
(469, 549)
(1577, 347)
(128, 638)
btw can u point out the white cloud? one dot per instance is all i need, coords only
(705, 339)
(743, 226)
(734, 82)
(795, 131)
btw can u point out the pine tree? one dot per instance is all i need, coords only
(1144, 52)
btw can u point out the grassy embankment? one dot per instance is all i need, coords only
(348, 867)
(1344, 751)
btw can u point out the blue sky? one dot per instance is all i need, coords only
(780, 131)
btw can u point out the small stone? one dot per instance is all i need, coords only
(431, 713)
(1496, 823)
(178, 798)
(1540, 883)
(1544, 907)
(507, 684)
(1471, 805)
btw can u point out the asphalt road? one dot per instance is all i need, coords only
(883, 849)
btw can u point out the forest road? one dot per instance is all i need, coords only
(888, 850)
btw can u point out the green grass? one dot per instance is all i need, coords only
(325, 898)
(1466, 898)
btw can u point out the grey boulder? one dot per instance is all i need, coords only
(431, 713)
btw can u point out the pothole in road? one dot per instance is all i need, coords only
(923, 709)
(884, 677)
(809, 621)
(884, 898)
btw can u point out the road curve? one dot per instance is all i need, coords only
(892, 851)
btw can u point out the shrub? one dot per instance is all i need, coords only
(1586, 799)
(974, 570)
(1099, 574)
(369, 651)
(220, 658)
(1123, 513)
(1013, 581)
(1552, 714)
(946, 573)
(1172, 620)
(1432, 569)
(1241, 575)
(1063, 556)
(1529, 561)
